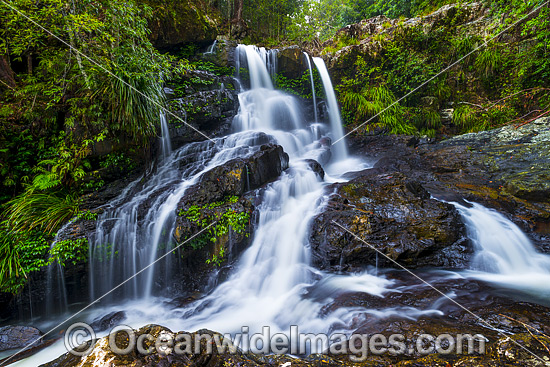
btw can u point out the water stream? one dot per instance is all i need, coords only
(504, 256)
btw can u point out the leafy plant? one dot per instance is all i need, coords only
(224, 221)
(34, 209)
(71, 250)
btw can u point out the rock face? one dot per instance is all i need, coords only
(203, 100)
(516, 157)
(174, 23)
(393, 215)
(12, 337)
(238, 176)
(290, 62)
(339, 62)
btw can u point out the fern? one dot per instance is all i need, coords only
(371, 101)
(34, 209)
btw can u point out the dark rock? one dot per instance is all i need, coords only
(238, 176)
(392, 215)
(316, 167)
(291, 62)
(207, 104)
(108, 321)
(12, 337)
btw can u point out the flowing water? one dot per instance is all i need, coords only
(312, 86)
(504, 256)
(337, 128)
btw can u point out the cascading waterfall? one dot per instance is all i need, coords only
(339, 145)
(274, 273)
(312, 86)
(137, 227)
(503, 253)
(273, 283)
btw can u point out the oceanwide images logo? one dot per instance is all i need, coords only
(80, 339)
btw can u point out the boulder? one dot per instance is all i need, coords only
(174, 23)
(237, 176)
(393, 215)
(290, 62)
(12, 337)
(108, 321)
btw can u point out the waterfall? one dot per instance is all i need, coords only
(136, 228)
(273, 283)
(340, 149)
(312, 86)
(210, 50)
(503, 253)
(165, 144)
(256, 60)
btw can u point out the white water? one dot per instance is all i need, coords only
(504, 255)
(210, 50)
(337, 129)
(312, 86)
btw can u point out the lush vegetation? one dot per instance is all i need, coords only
(493, 84)
(71, 120)
(59, 105)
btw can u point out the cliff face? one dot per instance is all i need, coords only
(174, 23)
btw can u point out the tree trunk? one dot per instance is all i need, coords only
(238, 25)
(6, 73)
(238, 12)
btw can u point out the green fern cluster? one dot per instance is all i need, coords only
(371, 101)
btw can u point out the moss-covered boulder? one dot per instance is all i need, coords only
(174, 23)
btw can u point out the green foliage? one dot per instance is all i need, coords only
(10, 264)
(212, 68)
(465, 116)
(118, 160)
(71, 250)
(320, 19)
(224, 221)
(24, 252)
(45, 211)
(301, 86)
(368, 96)
(488, 61)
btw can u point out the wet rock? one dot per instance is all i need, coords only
(12, 337)
(316, 167)
(393, 215)
(204, 102)
(108, 321)
(238, 176)
(516, 157)
(102, 354)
